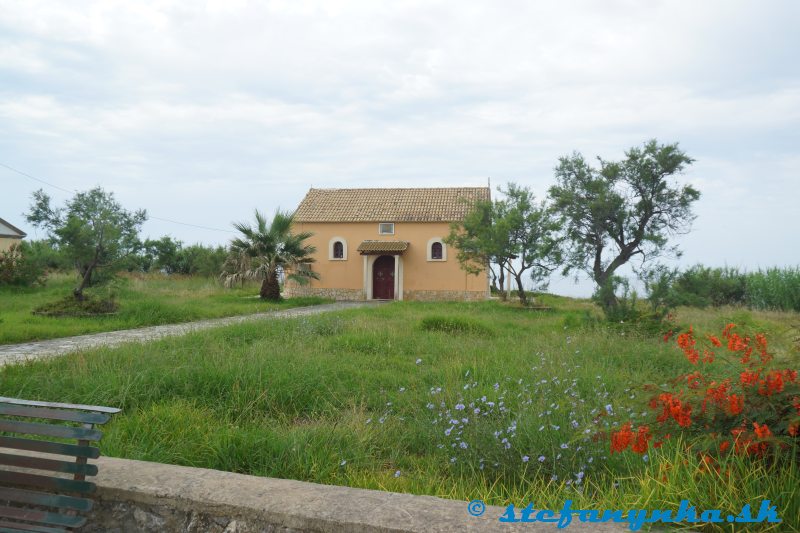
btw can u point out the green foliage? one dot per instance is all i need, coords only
(90, 305)
(622, 210)
(267, 249)
(455, 324)
(92, 231)
(516, 233)
(19, 267)
(774, 288)
(45, 254)
(700, 286)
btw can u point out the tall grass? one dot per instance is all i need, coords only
(144, 300)
(773, 288)
(385, 398)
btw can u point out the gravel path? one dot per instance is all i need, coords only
(14, 353)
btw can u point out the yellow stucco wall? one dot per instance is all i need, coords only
(418, 274)
(6, 242)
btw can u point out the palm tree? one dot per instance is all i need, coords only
(265, 250)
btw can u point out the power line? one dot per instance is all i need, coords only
(192, 225)
(74, 191)
(37, 179)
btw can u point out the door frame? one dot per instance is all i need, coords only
(369, 261)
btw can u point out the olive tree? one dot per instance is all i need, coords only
(92, 231)
(622, 210)
(516, 232)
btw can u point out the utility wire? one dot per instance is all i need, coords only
(74, 191)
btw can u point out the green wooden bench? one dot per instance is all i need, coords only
(44, 502)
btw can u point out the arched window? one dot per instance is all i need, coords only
(436, 250)
(337, 249)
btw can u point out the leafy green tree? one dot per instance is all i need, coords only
(622, 210)
(271, 248)
(18, 266)
(476, 240)
(516, 233)
(92, 230)
(162, 254)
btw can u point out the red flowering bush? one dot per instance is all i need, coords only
(737, 401)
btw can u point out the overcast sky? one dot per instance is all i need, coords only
(202, 111)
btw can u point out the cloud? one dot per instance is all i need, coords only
(202, 112)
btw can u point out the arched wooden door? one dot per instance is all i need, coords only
(383, 278)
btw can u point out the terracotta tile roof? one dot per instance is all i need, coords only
(374, 247)
(444, 204)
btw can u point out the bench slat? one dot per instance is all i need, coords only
(45, 482)
(53, 414)
(31, 445)
(19, 527)
(95, 408)
(40, 463)
(45, 499)
(43, 517)
(65, 432)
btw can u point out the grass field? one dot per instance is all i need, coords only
(457, 400)
(144, 301)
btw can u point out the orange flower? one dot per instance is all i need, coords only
(762, 431)
(727, 331)
(735, 404)
(687, 343)
(621, 439)
(718, 395)
(643, 436)
(748, 378)
(790, 375)
(794, 429)
(694, 380)
(715, 341)
(674, 408)
(737, 343)
(708, 356)
(773, 384)
(724, 445)
(761, 342)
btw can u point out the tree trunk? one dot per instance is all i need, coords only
(270, 288)
(86, 279)
(523, 298)
(605, 284)
(502, 280)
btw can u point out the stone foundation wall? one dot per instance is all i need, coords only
(433, 296)
(358, 295)
(334, 294)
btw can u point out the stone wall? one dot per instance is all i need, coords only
(334, 294)
(358, 295)
(139, 496)
(433, 296)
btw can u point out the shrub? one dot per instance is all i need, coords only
(452, 324)
(17, 267)
(737, 401)
(69, 306)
